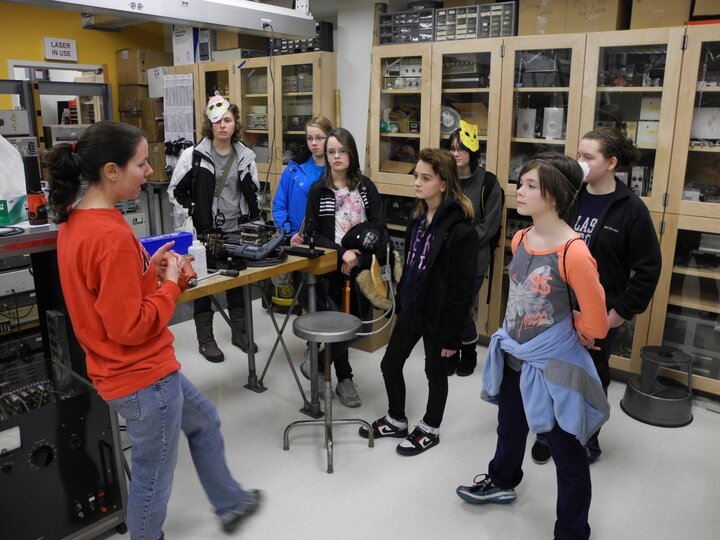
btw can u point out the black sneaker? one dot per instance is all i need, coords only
(382, 428)
(231, 520)
(417, 442)
(484, 491)
(540, 453)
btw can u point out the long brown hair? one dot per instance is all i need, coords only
(354, 175)
(443, 164)
(206, 130)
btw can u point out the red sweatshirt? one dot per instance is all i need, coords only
(118, 312)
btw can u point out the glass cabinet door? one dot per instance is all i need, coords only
(690, 287)
(256, 111)
(399, 109)
(214, 78)
(467, 88)
(543, 112)
(631, 83)
(695, 171)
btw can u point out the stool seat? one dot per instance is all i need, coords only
(326, 327)
(666, 356)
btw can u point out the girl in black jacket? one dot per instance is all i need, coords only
(617, 227)
(337, 202)
(433, 300)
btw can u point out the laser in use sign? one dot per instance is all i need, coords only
(60, 49)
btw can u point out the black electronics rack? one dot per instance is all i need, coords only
(323, 41)
(407, 26)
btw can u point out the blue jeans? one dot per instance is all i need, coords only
(155, 416)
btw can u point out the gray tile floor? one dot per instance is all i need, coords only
(651, 483)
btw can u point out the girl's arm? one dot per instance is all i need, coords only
(464, 247)
(281, 201)
(582, 276)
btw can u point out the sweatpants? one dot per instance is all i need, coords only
(573, 471)
(404, 337)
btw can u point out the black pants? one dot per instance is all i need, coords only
(404, 337)
(234, 300)
(574, 489)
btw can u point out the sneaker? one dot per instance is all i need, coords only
(385, 427)
(347, 390)
(540, 453)
(418, 441)
(231, 520)
(484, 491)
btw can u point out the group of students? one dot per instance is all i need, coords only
(546, 369)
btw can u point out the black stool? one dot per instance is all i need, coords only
(654, 402)
(326, 327)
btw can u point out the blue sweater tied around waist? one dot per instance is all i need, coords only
(558, 380)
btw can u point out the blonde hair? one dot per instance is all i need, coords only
(320, 122)
(443, 164)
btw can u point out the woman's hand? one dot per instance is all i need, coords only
(447, 353)
(297, 239)
(350, 261)
(159, 261)
(614, 320)
(173, 266)
(588, 343)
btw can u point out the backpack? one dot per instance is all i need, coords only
(489, 182)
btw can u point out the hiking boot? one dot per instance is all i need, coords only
(206, 340)
(386, 427)
(468, 360)
(231, 520)
(237, 325)
(484, 491)
(540, 453)
(347, 390)
(419, 440)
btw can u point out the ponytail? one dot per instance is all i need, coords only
(103, 142)
(615, 143)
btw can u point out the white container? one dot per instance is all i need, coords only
(197, 250)
(526, 123)
(706, 123)
(553, 122)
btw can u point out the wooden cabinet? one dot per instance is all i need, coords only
(214, 78)
(466, 84)
(631, 79)
(399, 114)
(695, 170)
(257, 113)
(542, 79)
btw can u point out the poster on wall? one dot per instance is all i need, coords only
(60, 49)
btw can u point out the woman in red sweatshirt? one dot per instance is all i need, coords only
(120, 301)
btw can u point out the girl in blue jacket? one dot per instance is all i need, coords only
(291, 198)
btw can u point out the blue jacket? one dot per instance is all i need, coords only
(558, 380)
(292, 192)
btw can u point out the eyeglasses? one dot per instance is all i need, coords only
(338, 152)
(319, 138)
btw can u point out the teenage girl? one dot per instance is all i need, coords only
(619, 232)
(291, 198)
(216, 182)
(486, 196)
(120, 316)
(337, 202)
(537, 371)
(433, 299)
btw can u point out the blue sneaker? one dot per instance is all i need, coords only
(485, 491)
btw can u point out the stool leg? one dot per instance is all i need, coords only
(648, 375)
(328, 410)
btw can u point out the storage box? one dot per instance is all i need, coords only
(183, 241)
(152, 119)
(542, 17)
(156, 159)
(659, 13)
(650, 108)
(130, 97)
(132, 118)
(597, 15)
(647, 133)
(13, 210)
(184, 42)
(134, 63)
(155, 81)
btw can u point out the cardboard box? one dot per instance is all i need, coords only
(706, 8)
(659, 13)
(542, 17)
(155, 76)
(184, 43)
(151, 111)
(597, 15)
(13, 210)
(134, 63)
(132, 118)
(233, 40)
(130, 97)
(156, 159)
